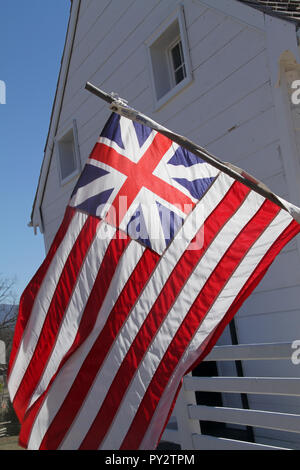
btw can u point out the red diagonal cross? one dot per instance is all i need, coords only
(140, 174)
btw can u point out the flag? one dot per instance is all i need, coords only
(156, 252)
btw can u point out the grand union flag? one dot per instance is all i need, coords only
(156, 253)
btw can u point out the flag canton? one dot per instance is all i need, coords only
(141, 182)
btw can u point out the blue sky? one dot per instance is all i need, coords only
(32, 35)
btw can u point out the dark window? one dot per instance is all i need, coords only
(178, 62)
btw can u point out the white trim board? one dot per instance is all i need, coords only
(36, 216)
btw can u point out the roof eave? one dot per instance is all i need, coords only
(270, 12)
(36, 216)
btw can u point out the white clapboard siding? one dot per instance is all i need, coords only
(275, 302)
(265, 163)
(272, 326)
(207, 103)
(119, 44)
(247, 109)
(88, 15)
(215, 70)
(114, 62)
(102, 19)
(221, 35)
(246, 139)
(202, 26)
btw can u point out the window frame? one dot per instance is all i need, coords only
(174, 89)
(172, 69)
(58, 139)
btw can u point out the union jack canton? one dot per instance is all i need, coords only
(141, 182)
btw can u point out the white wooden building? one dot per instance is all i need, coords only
(230, 90)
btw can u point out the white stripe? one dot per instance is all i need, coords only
(112, 144)
(129, 138)
(113, 180)
(67, 375)
(196, 171)
(171, 323)
(75, 309)
(190, 173)
(148, 142)
(215, 315)
(168, 172)
(135, 154)
(204, 170)
(42, 302)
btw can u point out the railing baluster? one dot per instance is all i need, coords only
(188, 413)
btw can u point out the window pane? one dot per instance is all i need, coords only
(179, 75)
(67, 158)
(176, 56)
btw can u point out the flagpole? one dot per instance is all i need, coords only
(120, 106)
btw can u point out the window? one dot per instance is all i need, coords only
(68, 155)
(169, 62)
(177, 64)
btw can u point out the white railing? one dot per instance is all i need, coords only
(184, 426)
(2, 352)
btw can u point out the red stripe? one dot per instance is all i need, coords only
(54, 316)
(101, 285)
(209, 293)
(29, 294)
(96, 356)
(165, 300)
(28, 421)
